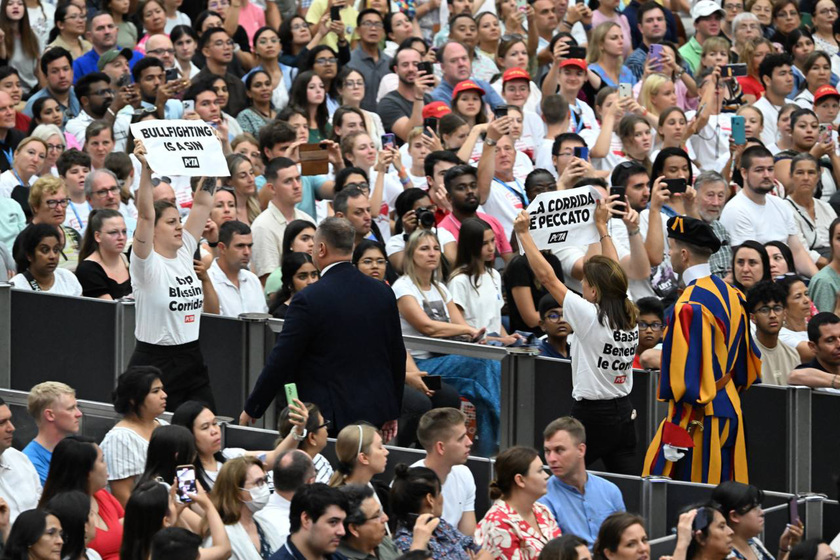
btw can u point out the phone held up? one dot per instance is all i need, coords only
(185, 477)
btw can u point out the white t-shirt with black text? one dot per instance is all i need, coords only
(602, 359)
(169, 296)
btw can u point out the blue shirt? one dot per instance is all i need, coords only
(547, 350)
(86, 63)
(70, 112)
(310, 193)
(290, 552)
(582, 514)
(626, 76)
(40, 459)
(444, 93)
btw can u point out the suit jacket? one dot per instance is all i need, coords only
(342, 345)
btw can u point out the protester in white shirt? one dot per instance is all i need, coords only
(238, 289)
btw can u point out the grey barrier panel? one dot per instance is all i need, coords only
(5, 334)
(126, 314)
(631, 488)
(82, 344)
(765, 427)
(799, 431)
(825, 467)
(813, 517)
(223, 344)
(831, 519)
(663, 546)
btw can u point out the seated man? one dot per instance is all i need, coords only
(824, 340)
(766, 303)
(20, 486)
(651, 326)
(292, 471)
(443, 434)
(316, 520)
(53, 406)
(580, 501)
(556, 329)
(365, 527)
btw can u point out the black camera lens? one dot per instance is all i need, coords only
(425, 217)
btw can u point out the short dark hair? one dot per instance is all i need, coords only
(817, 321)
(770, 63)
(437, 156)
(230, 228)
(132, 387)
(51, 55)
(562, 548)
(737, 497)
(207, 35)
(455, 172)
(276, 132)
(546, 304)
(276, 165)
(565, 137)
(313, 500)
(175, 543)
(291, 470)
(30, 237)
(340, 199)
(799, 158)
(338, 233)
(648, 7)
(341, 177)
(355, 494)
(365, 12)
(119, 163)
(71, 157)
(554, 108)
(198, 87)
(83, 85)
(143, 64)
(622, 173)
(651, 306)
(752, 153)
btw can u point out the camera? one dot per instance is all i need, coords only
(425, 217)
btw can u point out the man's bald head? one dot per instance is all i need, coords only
(293, 470)
(160, 46)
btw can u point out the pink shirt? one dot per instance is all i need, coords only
(599, 18)
(451, 224)
(251, 18)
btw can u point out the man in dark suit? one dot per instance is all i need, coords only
(341, 342)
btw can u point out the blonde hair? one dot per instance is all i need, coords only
(42, 395)
(44, 186)
(744, 108)
(650, 87)
(599, 35)
(715, 44)
(415, 132)
(408, 262)
(226, 490)
(352, 440)
(747, 54)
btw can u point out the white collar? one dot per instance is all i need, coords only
(696, 272)
(329, 267)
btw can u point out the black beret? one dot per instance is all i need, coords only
(693, 231)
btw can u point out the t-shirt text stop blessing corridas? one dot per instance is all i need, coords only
(602, 357)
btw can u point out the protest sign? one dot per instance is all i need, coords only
(564, 218)
(182, 148)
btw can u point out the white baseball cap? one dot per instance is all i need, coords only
(705, 8)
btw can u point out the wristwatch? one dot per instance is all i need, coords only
(297, 437)
(490, 142)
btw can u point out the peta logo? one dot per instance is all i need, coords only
(558, 237)
(189, 319)
(190, 162)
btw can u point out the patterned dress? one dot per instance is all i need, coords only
(507, 536)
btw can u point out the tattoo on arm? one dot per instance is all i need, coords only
(209, 185)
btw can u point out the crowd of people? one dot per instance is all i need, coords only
(382, 156)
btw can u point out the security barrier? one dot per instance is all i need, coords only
(790, 436)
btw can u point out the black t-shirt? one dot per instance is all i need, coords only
(13, 138)
(96, 282)
(813, 364)
(517, 274)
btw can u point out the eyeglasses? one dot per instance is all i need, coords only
(157, 181)
(554, 317)
(360, 186)
(828, 12)
(324, 61)
(158, 52)
(378, 262)
(766, 309)
(372, 24)
(55, 147)
(103, 193)
(326, 424)
(376, 516)
(513, 37)
(228, 43)
(53, 204)
(734, 7)
(299, 27)
(143, 111)
(354, 83)
(104, 92)
(656, 326)
(258, 483)
(213, 5)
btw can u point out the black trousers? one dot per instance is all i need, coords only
(610, 433)
(185, 376)
(415, 404)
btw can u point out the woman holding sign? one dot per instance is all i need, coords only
(604, 321)
(169, 295)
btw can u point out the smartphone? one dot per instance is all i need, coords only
(172, 74)
(701, 520)
(582, 152)
(500, 112)
(426, 67)
(577, 52)
(291, 392)
(188, 104)
(733, 70)
(125, 80)
(739, 133)
(794, 512)
(675, 185)
(825, 132)
(432, 382)
(430, 123)
(197, 254)
(655, 55)
(621, 192)
(185, 477)
(625, 90)
(335, 13)
(389, 140)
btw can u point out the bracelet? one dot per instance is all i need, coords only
(833, 381)
(634, 232)
(404, 181)
(787, 549)
(603, 236)
(420, 99)
(297, 437)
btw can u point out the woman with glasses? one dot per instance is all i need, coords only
(824, 16)
(126, 30)
(185, 40)
(48, 201)
(266, 55)
(786, 20)
(103, 266)
(313, 442)
(153, 17)
(745, 27)
(37, 259)
(298, 272)
(731, 8)
(56, 143)
(324, 61)
(69, 30)
(241, 490)
(350, 85)
(210, 457)
(35, 535)
(296, 39)
(73, 508)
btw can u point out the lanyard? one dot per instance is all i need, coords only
(577, 121)
(519, 193)
(78, 218)
(10, 154)
(22, 184)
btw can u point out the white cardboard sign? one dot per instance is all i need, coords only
(182, 148)
(564, 218)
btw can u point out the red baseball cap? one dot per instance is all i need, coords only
(436, 110)
(825, 91)
(466, 85)
(515, 74)
(578, 62)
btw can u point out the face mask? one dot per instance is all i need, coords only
(259, 498)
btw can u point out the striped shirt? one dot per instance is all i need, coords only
(125, 452)
(323, 469)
